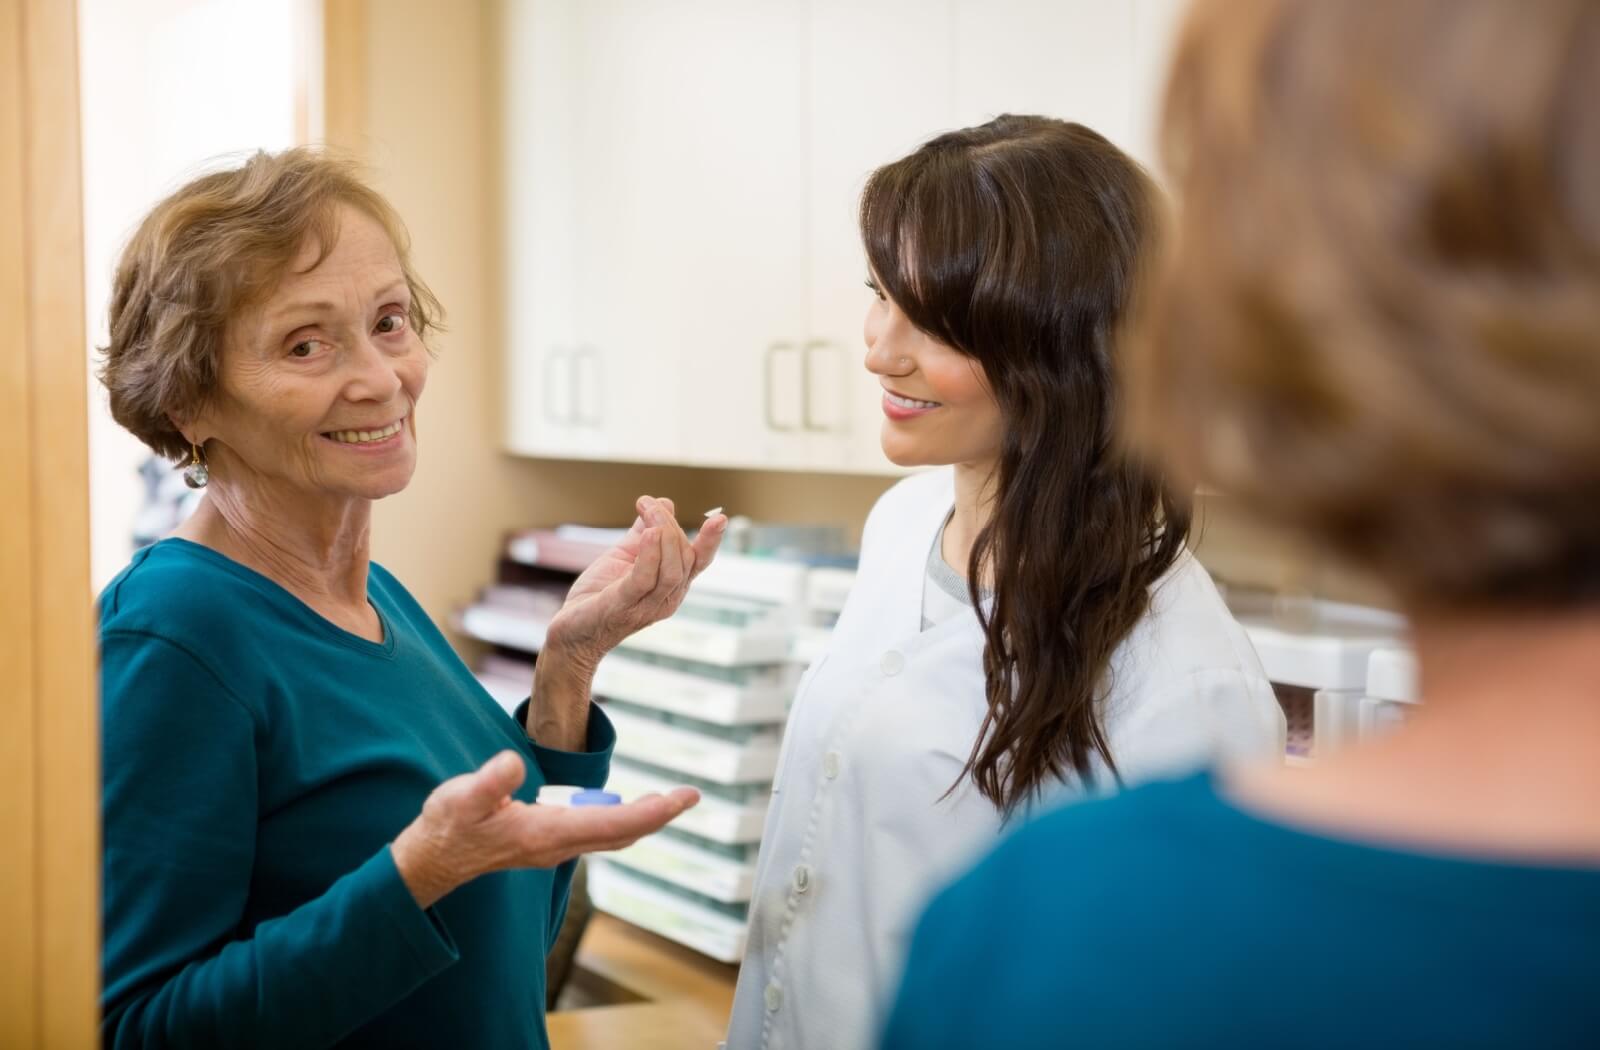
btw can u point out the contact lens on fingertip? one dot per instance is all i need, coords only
(713, 512)
(596, 798)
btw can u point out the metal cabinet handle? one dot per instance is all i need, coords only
(590, 354)
(768, 374)
(811, 423)
(552, 413)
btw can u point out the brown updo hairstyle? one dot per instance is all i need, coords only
(215, 247)
(1018, 243)
(1379, 325)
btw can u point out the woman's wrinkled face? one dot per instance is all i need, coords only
(319, 382)
(937, 404)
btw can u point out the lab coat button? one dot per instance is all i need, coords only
(802, 878)
(774, 997)
(893, 662)
(830, 764)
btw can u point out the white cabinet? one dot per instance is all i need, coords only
(542, 224)
(684, 271)
(1062, 58)
(741, 104)
(881, 80)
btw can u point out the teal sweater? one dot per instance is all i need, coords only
(258, 761)
(1168, 917)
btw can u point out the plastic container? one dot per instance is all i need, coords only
(1392, 675)
(1315, 644)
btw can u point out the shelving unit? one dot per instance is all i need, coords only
(1325, 659)
(698, 699)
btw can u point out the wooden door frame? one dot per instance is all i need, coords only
(49, 737)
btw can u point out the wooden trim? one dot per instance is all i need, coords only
(49, 780)
(344, 74)
(19, 992)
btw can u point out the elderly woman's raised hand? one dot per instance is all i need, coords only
(470, 825)
(641, 580)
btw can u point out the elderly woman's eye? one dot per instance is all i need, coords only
(305, 349)
(390, 323)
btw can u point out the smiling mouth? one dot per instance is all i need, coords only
(908, 403)
(365, 437)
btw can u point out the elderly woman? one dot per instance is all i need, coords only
(1380, 327)
(318, 827)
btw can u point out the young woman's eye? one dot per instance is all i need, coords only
(870, 283)
(388, 324)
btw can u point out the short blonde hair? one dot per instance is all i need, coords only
(216, 246)
(1379, 324)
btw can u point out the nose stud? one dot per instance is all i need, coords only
(905, 362)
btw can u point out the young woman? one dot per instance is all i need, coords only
(1386, 293)
(1027, 621)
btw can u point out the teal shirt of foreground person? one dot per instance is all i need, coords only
(258, 762)
(1166, 916)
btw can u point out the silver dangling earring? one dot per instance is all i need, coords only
(195, 475)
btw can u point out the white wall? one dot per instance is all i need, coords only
(168, 88)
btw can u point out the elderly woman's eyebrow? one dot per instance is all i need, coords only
(394, 289)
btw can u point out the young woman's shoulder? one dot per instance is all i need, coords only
(1189, 630)
(925, 495)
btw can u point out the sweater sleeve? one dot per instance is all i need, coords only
(587, 768)
(179, 807)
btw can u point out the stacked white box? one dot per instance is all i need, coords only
(701, 699)
(1317, 654)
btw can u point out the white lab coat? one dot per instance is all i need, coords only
(858, 834)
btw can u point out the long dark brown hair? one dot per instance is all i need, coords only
(1019, 243)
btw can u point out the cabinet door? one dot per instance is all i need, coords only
(1155, 28)
(1069, 59)
(881, 76)
(637, 204)
(739, 166)
(540, 307)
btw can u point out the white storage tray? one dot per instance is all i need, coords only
(723, 703)
(508, 693)
(500, 627)
(808, 644)
(769, 580)
(827, 589)
(720, 761)
(711, 643)
(1330, 652)
(689, 923)
(690, 867)
(717, 819)
(1392, 675)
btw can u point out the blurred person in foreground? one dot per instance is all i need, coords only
(1379, 326)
